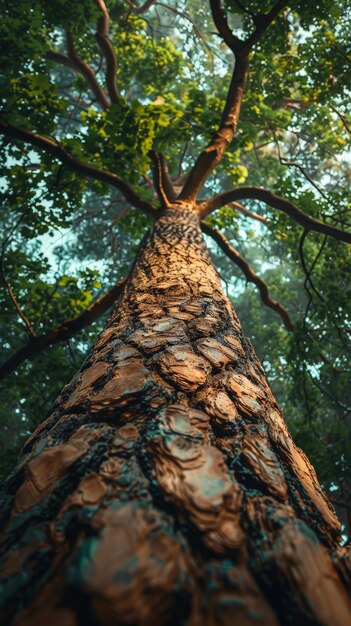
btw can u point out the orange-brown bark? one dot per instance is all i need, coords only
(164, 487)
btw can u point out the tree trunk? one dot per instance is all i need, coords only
(164, 487)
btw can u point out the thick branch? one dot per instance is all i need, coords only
(212, 155)
(276, 202)
(220, 20)
(106, 47)
(63, 59)
(162, 181)
(64, 331)
(263, 21)
(83, 68)
(57, 151)
(247, 270)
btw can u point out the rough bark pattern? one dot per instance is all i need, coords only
(164, 488)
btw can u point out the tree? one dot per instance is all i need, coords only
(164, 486)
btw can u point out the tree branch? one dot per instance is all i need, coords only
(16, 305)
(247, 270)
(63, 59)
(288, 163)
(196, 29)
(306, 271)
(56, 150)
(244, 211)
(162, 181)
(83, 68)
(262, 21)
(276, 202)
(221, 23)
(63, 332)
(342, 118)
(5, 281)
(106, 47)
(212, 154)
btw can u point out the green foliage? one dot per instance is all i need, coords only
(140, 52)
(122, 137)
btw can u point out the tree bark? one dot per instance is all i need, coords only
(164, 487)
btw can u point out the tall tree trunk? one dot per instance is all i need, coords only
(164, 487)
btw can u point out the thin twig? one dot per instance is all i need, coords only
(162, 181)
(307, 272)
(84, 68)
(308, 279)
(63, 332)
(342, 118)
(254, 216)
(7, 284)
(288, 163)
(250, 275)
(15, 303)
(196, 29)
(182, 156)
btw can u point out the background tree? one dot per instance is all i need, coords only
(77, 168)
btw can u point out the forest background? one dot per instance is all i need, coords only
(67, 239)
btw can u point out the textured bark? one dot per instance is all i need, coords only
(164, 487)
